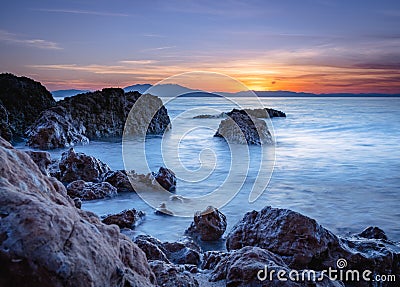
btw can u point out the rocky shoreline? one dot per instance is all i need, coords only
(46, 239)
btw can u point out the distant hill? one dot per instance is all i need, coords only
(67, 93)
(141, 88)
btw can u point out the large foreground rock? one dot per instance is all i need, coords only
(241, 128)
(94, 115)
(208, 225)
(46, 241)
(42, 160)
(77, 165)
(170, 275)
(21, 102)
(304, 244)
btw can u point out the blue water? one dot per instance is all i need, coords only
(336, 160)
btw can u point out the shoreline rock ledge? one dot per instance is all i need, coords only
(46, 241)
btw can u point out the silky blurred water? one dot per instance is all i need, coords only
(337, 160)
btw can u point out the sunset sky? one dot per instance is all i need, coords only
(311, 45)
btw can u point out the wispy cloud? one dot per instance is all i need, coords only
(84, 12)
(138, 62)
(6, 36)
(154, 36)
(158, 48)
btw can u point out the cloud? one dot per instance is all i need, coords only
(84, 12)
(138, 62)
(158, 48)
(37, 43)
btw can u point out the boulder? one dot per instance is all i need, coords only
(21, 102)
(90, 190)
(166, 178)
(120, 180)
(208, 225)
(242, 128)
(93, 115)
(259, 113)
(125, 219)
(42, 159)
(170, 275)
(55, 129)
(184, 252)
(253, 266)
(304, 244)
(77, 165)
(46, 241)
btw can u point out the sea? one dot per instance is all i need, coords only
(336, 160)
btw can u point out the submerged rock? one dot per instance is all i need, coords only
(46, 241)
(373, 232)
(125, 219)
(21, 102)
(42, 159)
(166, 178)
(79, 166)
(90, 190)
(208, 225)
(259, 113)
(241, 128)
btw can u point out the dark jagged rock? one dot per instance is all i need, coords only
(185, 252)
(5, 127)
(170, 275)
(125, 219)
(55, 129)
(22, 100)
(373, 232)
(90, 190)
(208, 225)
(259, 113)
(166, 178)
(247, 267)
(93, 115)
(304, 244)
(120, 180)
(42, 159)
(242, 128)
(46, 241)
(79, 166)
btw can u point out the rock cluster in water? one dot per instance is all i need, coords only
(28, 110)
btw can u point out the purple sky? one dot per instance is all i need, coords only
(309, 45)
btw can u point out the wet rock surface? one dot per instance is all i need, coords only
(185, 252)
(242, 128)
(170, 275)
(79, 166)
(21, 102)
(55, 128)
(90, 190)
(120, 180)
(259, 113)
(373, 232)
(125, 219)
(93, 115)
(166, 178)
(46, 241)
(208, 225)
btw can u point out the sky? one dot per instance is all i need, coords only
(319, 46)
